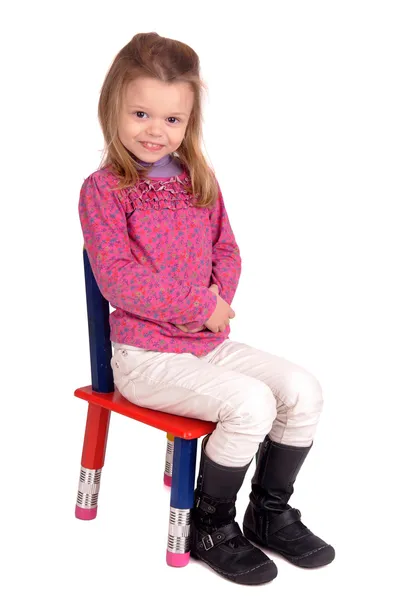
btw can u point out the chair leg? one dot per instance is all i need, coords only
(93, 457)
(168, 469)
(181, 502)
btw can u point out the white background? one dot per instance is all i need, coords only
(301, 127)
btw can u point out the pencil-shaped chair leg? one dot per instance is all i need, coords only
(93, 457)
(168, 469)
(181, 502)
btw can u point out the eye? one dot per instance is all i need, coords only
(140, 114)
(173, 120)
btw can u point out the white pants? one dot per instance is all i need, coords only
(247, 392)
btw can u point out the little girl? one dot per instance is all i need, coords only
(163, 253)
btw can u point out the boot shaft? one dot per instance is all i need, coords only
(219, 481)
(215, 495)
(275, 475)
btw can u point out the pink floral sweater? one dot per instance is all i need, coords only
(154, 255)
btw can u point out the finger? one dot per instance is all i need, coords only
(231, 314)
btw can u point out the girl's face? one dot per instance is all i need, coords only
(154, 117)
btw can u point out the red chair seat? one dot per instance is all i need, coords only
(182, 427)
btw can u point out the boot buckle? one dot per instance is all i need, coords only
(207, 542)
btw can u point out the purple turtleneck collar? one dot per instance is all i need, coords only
(168, 166)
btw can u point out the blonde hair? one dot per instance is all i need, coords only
(150, 55)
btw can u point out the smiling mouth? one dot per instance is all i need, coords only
(151, 146)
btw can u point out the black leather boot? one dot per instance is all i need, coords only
(269, 521)
(216, 538)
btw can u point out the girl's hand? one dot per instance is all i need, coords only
(219, 320)
(213, 288)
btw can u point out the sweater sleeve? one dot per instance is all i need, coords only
(226, 261)
(121, 279)
(227, 264)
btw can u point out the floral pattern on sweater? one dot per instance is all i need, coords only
(154, 255)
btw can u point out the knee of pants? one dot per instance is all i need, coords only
(306, 392)
(253, 410)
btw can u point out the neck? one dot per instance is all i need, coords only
(168, 166)
(159, 163)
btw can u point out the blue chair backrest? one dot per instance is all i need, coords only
(98, 332)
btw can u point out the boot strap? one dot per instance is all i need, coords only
(281, 520)
(205, 506)
(220, 536)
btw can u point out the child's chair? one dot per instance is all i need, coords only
(182, 433)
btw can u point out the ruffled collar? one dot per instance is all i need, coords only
(158, 193)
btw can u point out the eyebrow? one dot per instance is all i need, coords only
(180, 114)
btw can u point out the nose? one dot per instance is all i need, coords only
(154, 129)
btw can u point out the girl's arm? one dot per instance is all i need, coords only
(227, 264)
(226, 261)
(124, 282)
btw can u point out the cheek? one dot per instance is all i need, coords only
(129, 130)
(177, 136)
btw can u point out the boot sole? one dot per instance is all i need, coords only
(247, 578)
(320, 557)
